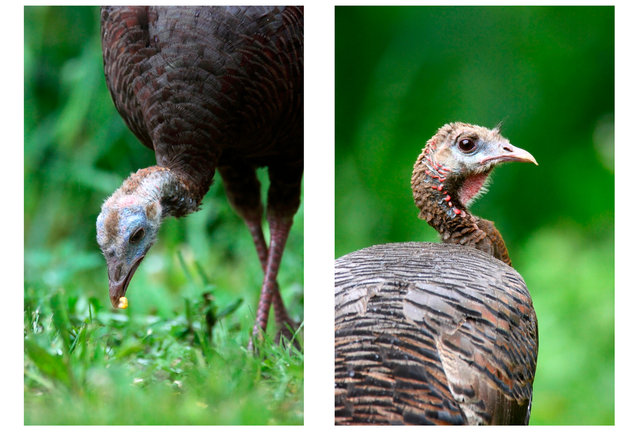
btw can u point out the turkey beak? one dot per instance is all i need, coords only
(508, 153)
(119, 278)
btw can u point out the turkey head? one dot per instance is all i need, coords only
(451, 172)
(128, 225)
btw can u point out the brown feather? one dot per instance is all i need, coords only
(206, 88)
(410, 349)
(438, 333)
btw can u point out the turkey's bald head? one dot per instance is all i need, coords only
(131, 217)
(126, 228)
(457, 161)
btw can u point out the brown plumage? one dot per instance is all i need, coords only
(438, 333)
(208, 89)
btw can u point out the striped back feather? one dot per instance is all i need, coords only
(432, 334)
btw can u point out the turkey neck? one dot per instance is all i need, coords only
(175, 193)
(442, 198)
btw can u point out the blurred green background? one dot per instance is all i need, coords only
(548, 73)
(153, 363)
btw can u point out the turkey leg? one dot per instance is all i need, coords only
(284, 322)
(279, 228)
(243, 191)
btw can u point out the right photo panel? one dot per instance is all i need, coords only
(459, 302)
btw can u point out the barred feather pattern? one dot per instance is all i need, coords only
(432, 334)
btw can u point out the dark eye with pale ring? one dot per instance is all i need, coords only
(466, 145)
(137, 236)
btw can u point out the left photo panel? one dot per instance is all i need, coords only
(163, 215)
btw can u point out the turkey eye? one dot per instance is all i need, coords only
(466, 145)
(137, 236)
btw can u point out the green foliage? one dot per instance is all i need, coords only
(85, 364)
(177, 355)
(548, 72)
(574, 381)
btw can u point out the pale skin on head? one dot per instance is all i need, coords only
(128, 225)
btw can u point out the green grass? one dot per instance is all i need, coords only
(86, 363)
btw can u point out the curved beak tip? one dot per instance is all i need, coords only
(529, 158)
(115, 293)
(118, 289)
(532, 160)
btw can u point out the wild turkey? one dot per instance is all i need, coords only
(430, 333)
(207, 88)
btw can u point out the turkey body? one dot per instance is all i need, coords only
(209, 89)
(431, 333)
(438, 333)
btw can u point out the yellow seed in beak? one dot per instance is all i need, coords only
(123, 302)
